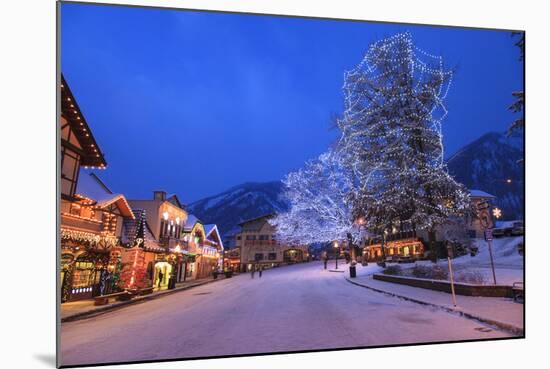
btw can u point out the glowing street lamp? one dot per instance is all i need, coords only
(337, 252)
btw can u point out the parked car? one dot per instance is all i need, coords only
(508, 228)
(517, 229)
(499, 232)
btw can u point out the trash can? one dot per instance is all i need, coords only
(352, 271)
(172, 282)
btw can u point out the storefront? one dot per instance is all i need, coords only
(89, 265)
(208, 261)
(186, 267)
(405, 249)
(232, 260)
(293, 256)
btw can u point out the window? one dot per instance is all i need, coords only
(70, 163)
(83, 274)
(272, 256)
(239, 238)
(259, 257)
(251, 237)
(264, 237)
(161, 228)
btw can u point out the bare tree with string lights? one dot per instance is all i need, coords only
(321, 203)
(392, 141)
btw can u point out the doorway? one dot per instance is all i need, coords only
(163, 270)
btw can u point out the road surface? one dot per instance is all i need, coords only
(299, 307)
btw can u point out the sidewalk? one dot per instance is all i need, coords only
(502, 313)
(71, 311)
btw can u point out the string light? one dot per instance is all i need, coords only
(388, 165)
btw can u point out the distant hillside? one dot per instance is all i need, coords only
(239, 203)
(493, 163)
(485, 164)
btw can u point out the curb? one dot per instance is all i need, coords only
(122, 304)
(510, 328)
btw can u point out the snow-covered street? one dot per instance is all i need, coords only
(300, 307)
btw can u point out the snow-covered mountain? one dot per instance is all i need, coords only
(493, 163)
(246, 201)
(485, 164)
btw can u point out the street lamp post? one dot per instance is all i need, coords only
(337, 252)
(487, 224)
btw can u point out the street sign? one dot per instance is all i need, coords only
(489, 234)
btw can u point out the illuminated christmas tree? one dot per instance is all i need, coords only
(392, 141)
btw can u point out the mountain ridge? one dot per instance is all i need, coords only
(486, 163)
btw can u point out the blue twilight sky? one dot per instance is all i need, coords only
(194, 102)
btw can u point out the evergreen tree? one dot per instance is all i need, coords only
(519, 103)
(392, 142)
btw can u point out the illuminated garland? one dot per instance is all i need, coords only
(87, 237)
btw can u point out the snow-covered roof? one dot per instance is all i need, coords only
(479, 193)
(131, 228)
(266, 216)
(91, 186)
(190, 222)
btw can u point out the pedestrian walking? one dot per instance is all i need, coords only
(260, 271)
(252, 272)
(161, 275)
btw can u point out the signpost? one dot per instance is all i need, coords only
(489, 239)
(449, 256)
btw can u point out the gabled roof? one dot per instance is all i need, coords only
(91, 186)
(139, 228)
(266, 216)
(212, 229)
(173, 198)
(91, 153)
(208, 228)
(482, 194)
(190, 222)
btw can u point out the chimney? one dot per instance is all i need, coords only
(159, 195)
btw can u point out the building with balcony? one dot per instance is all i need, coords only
(259, 247)
(165, 217)
(143, 258)
(204, 248)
